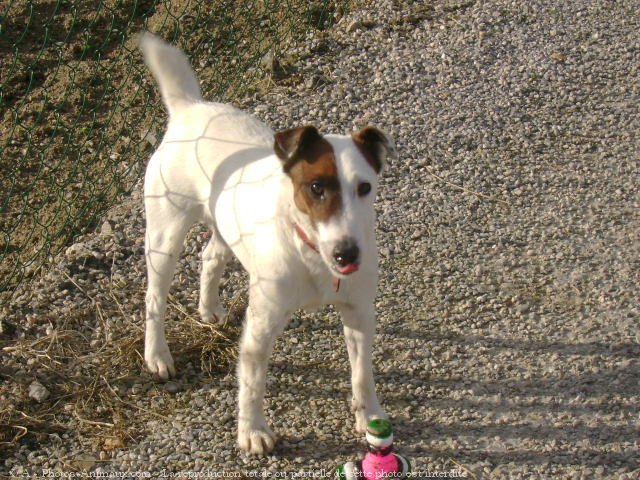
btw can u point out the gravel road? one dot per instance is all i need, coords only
(509, 232)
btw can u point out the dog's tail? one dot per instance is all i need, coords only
(170, 67)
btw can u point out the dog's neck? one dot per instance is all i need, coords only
(305, 238)
(301, 229)
(302, 235)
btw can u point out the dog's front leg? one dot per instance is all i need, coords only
(359, 331)
(262, 327)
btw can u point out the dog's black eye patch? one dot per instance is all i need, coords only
(363, 189)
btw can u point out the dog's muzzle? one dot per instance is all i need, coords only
(346, 254)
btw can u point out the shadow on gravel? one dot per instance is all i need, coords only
(561, 402)
(622, 349)
(576, 413)
(346, 447)
(589, 457)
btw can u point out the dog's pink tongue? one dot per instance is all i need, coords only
(347, 269)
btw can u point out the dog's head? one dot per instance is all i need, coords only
(334, 181)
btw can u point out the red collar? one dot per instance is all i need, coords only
(305, 239)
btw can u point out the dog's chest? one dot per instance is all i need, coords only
(316, 285)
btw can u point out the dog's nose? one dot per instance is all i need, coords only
(346, 253)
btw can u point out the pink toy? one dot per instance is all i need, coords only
(379, 462)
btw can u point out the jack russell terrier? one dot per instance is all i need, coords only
(295, 207)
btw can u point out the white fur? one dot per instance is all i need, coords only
(216, 165)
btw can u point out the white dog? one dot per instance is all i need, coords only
(295, 207)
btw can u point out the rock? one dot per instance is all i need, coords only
(354, 25)
(171, 387)
(106, 229)
(269, 62)
(7, 328)
(78, 250)
(38, 392)
(315, 81)
(150, 137)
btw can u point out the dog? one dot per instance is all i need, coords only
(294, 206)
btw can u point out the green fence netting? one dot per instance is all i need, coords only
(76, 104)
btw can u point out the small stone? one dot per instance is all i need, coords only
(85, 462)
(38, 392)
(78, 250)
(315, 81)
(7, 328)
(269, 62)
(150, 137)
(171, 387)
(106, 228)
(354, 25)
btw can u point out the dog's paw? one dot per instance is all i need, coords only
(363, 417)
(215, 316)
(160, 363)
(258, 441)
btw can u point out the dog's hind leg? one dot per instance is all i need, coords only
(167, 227)
(214, 258)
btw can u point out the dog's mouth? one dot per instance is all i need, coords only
(348, 268)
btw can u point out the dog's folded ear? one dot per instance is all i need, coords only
(290, 145)
(375, 145)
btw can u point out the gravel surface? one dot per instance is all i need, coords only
(509, 232)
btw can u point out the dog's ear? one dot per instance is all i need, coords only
(290, 145)
(375, 145)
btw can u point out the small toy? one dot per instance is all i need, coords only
(379, 462)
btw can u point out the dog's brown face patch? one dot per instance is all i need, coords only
(310, 162)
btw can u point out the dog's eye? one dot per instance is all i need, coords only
(317, 189)
(363, 189)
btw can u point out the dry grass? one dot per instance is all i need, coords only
(95, 385)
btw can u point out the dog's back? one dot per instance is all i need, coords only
(205, 142)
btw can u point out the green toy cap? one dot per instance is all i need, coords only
(379, 428)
